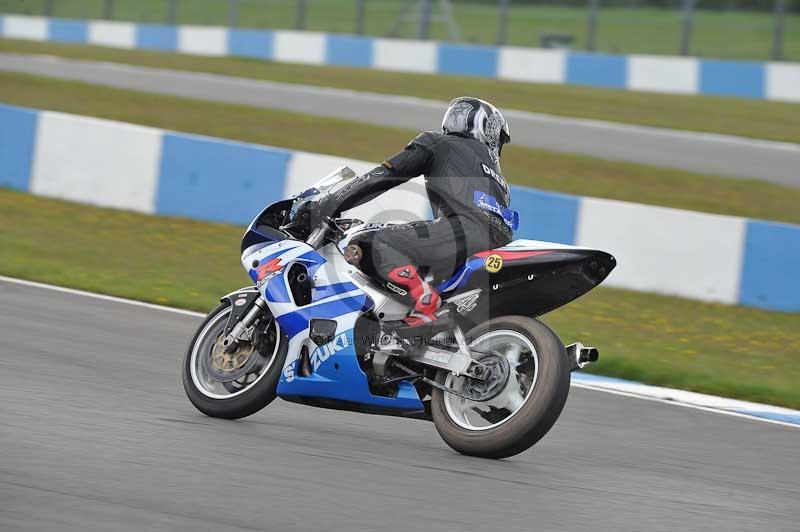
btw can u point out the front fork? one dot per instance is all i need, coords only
(243, 330)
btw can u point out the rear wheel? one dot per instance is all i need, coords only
(531, 360)
(237, 384)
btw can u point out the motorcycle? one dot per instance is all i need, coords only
(318, 328)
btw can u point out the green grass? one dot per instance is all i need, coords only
(732, 351)
(548, 170)
(734, 116)
(620, 30)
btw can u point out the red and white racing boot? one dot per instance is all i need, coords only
(426, 298)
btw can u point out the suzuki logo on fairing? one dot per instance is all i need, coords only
(324, 352)
(320, 355)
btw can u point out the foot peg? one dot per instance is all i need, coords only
(581, 356)
(444, 321)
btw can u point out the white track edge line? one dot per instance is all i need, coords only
(114, 299)
(142, 304)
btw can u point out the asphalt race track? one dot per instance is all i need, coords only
(96, 435)
(701, 152)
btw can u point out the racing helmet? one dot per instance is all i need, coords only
(472, 117)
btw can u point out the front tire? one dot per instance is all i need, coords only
(529, 404)
(212, 389)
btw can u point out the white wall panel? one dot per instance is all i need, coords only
(203, 40)
(663, 74)
(95, 161)
(21, 27)
(115, 34)
(783, 82)
(528, 64)
(405, 203)
(663, 250)
(403, 55)
(299, 47)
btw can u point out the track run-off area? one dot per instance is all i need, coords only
(725, 155)
(97, 434)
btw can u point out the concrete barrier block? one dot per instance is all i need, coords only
(667, 251)
(299, 47)
(114, 34)
(110, 164)
(530, 64)
(203, 40)
(663, 74)
(406, 56)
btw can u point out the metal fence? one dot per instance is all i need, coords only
(734, 29)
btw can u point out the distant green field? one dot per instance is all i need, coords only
(725, 34)
(574, 174)
(733, 351)
(733, 116)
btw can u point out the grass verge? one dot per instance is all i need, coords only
(626, 29)
(733, 116)
(731, 351)
(548, 170)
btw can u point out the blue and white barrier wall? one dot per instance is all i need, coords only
(682, 75)
(683, 253)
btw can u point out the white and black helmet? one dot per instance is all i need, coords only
(472, 117)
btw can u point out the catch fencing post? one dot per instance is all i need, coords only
(233, 13)
(300, 21)
(687, 18)
(502, 23)
(591, 23)
(777, 36)
(172, 11)
(359, 17)
(425, 8)
(108, 9)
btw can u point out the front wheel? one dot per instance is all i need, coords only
(522, 408)
(236, 384)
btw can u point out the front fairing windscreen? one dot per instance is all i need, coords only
(327, 184)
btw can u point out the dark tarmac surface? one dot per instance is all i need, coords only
(96, 435)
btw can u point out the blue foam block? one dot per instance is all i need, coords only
(597, 70)
(547, 216)
(216, 180)
(732, 78)
(157, 37)
(62, 30)
(467, 60)
(250, 43)
(348, 50)
(771, 266)
(17, 143)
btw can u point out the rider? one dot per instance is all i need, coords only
(468, 195)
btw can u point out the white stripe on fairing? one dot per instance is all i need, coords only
(650, 393)
(280, 309)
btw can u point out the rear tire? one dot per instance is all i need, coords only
(243, 403)
(540, 407)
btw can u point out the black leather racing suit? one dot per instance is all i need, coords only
(454, 168)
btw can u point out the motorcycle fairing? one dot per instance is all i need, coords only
(336, 372)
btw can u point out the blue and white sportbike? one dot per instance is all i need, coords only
(318, 328)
